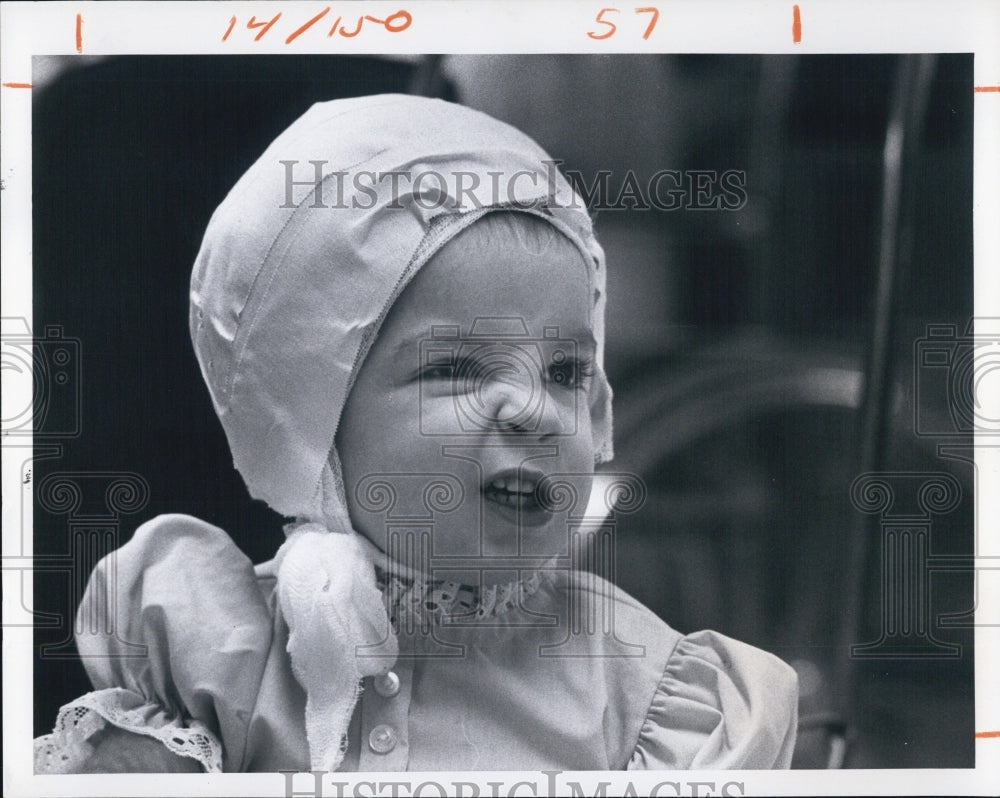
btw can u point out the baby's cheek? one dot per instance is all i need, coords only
(437, 413)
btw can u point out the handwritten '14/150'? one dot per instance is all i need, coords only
(394, 23)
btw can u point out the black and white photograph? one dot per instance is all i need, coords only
(609, 422)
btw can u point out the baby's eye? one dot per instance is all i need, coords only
(571, 372)
(438, 371)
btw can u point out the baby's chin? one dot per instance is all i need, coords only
(505, 552)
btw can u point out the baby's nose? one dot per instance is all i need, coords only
(522, 405)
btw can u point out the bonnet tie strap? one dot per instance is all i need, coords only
(338, 631)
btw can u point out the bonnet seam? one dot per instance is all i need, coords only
(293, 217)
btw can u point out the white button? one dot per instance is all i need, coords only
(382, 739)
(387, 685)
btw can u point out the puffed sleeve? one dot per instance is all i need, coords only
(720, 704)
(179, 659)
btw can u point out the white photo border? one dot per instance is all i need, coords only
(520, 26)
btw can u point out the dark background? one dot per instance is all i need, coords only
(718, 325)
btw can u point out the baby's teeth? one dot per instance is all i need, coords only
(512, 485)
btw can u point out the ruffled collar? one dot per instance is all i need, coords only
(413, 602)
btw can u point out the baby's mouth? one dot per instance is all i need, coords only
(517, 491)
(511, 492)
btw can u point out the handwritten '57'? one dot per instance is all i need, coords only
(394, 23)
(611, 28)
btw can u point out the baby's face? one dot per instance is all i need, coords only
(472, 399)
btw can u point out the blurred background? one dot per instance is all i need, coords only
(763, 357)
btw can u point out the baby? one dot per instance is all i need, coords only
(398, 311)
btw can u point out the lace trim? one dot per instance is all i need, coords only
(65, 750)
(421, 602)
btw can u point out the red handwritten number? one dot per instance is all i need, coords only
(355, 32)
(612, 28)
(264, 26)
(394, 23)
(653, 20)
(600, 20)
(398, 22)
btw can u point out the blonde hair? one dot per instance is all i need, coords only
(534, 234)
